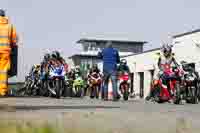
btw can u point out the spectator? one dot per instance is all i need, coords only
(110, 57)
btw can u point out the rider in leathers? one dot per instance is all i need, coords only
(166, 57)
(94, 70)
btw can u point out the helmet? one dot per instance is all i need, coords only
(77, 67)
(37, 66)
(123, 62)
(55, 54)
(2, 13)
(95, 66)
(47, 56)
(167, 50)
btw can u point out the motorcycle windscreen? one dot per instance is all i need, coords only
(14, 62)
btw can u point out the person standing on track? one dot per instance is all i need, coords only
(110, 57)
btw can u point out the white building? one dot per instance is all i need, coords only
(186, 47)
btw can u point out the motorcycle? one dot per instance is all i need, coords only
(95, 84)
(25, 90)
(56, 80)
(173, 89)
(31, 86)
(78, 86)
(44, 84)
(68, 86)
(191, 84)
(124, 85)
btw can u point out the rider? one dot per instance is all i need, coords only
(123, 67)
(93, 71)
(166, 58)
(57, 57)
(77, 71)
(77, 75)
(34, 70)
(45, 63)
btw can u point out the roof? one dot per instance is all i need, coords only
(186, 33)
(94, 55)
(151, 50)
(114, 41)
(81, 55)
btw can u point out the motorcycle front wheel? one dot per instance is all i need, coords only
(177, 99)
(79, 91)
(195, 99)
(126, 93)
(58, 88)
(43, 91)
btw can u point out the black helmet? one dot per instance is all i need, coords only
(56, 54)
(123, 62)
(47, 56)
(2, 13)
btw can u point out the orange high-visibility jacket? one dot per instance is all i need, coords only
(8, 36)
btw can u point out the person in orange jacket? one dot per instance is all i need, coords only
(8, 39)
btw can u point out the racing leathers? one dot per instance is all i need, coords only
(164, 61)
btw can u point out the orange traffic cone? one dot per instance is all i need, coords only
(110, 90)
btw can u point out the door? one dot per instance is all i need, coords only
(132, 81)
(141, 75)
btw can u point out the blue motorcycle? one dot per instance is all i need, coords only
(56, 80)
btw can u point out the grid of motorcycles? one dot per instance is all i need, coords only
(58, 82)
(185, 85)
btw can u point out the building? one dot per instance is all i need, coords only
(91, 47)
(186, 47)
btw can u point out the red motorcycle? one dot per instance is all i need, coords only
(172, 90)
(124, 85)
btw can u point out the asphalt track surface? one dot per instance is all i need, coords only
(122, 116)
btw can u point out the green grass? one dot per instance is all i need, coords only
(26, 127)
(45, 127)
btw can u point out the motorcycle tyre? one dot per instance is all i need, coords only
(125, 96)
(79, 92)
(195, 99)
(58, 85)
(44, 89)
(177, 99)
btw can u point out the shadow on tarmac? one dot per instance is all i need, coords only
(29, 108)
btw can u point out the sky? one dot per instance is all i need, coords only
(45, 25)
